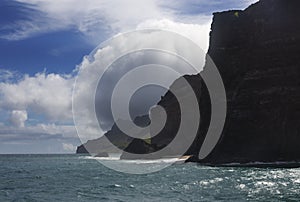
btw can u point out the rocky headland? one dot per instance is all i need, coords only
(256, 51)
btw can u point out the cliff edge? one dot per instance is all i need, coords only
(256, 51)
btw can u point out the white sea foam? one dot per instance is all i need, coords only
(140, 161)
(262, 163)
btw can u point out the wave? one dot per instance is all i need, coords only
(275, 164)
(140, 161)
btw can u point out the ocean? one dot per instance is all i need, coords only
(82, 178)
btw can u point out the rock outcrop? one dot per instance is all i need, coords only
(257, 54)
(137, 146)
(114, 136)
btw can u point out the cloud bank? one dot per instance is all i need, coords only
(45, 94)
(92, 17)
(35, 109)
(18, 118)
(39, 108)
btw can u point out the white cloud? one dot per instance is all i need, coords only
(40, 138)
(69, 147)
(198, 33)
(44, 94)
(96, 17)
(87, 123)
(37, 132)
(8, 76)
(49, 96)
(67, 131)
(43, 101)
(90, 17)
(18, 118)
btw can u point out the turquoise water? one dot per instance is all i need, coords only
(77, 178)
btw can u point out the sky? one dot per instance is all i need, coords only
(43, 44)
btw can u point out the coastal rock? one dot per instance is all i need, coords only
(136, 147)
(113, 141)
(256, 51)
(257, 54)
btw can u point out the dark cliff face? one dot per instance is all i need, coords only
(115, 136)
(257, 54)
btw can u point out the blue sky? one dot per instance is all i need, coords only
(59, 50)
(43, 41)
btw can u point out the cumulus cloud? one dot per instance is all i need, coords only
(69, 147)
(91, 69)
(89, 17)
(44, 94)
(48, 97)
(43, 101)
(18, 118)
(92, 17)
(198, 33)
(37, 132)
(40, 138)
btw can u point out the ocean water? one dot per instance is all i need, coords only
(80, 178)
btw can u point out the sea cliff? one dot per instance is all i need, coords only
(256, 51)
